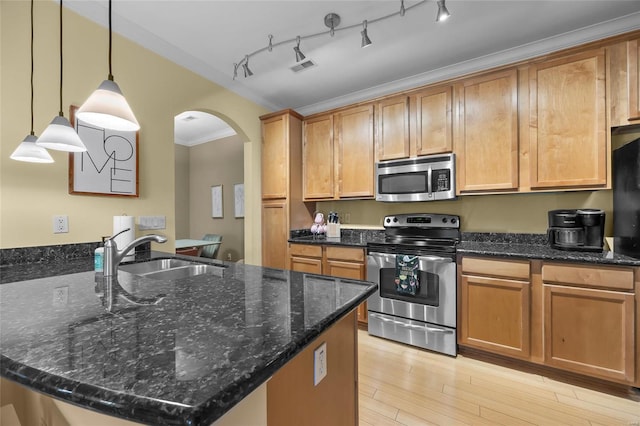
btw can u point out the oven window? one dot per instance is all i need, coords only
(426, 295)
(403, 183)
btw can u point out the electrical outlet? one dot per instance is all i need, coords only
(60, 224)
(319, 364)
(61, 296)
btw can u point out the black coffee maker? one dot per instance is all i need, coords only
(579, 230)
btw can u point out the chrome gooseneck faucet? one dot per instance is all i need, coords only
(113, 256)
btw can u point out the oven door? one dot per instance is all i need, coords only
(435, 302)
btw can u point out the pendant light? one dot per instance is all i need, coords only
(28, 150)
(107, 106)
(59, 135)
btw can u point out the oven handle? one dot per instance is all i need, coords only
(420, 257)
(429, 189)
(404, 324)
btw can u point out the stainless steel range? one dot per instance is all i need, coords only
(415, 269)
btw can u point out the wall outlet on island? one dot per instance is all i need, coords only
(61, 296)
(319, 364)
(60, 224)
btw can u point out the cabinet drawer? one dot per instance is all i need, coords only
(305, 250)
(589, 276)
(345, 253)
(501, 268)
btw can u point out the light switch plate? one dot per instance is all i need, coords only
(152, 222)
(319, 364)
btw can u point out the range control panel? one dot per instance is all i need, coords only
(422, 220)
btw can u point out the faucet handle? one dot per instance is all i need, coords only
(121, 232)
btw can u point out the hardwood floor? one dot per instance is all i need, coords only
(401, 385)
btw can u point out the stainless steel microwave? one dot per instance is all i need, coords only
(427, 178)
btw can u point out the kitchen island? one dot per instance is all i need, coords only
(179, 351)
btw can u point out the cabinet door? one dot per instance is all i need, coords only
(392, 126)
(347, 263)
(487, 140)
(433, 120)
(633, 62)
(318, 158)
(275, 157)
(275, 232)
(354, 145)
(306, 264)
(568, 142)
(590, 331)
(496, 315)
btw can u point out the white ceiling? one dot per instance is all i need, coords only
(208, 37)
(197, 127)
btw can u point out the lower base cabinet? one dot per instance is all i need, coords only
(579, 318)
(336, 261)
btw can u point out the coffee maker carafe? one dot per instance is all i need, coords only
(580, 230)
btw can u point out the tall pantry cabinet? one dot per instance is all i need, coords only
(282, 205)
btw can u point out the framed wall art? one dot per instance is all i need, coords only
(216, 201)
(109, 166)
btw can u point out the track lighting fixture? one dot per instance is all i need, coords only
(107, 106)
(59, 135)
(365, 38)
(299, 55)
(332, 21)
(443, 13)
(28, 151)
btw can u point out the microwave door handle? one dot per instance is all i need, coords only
(429, 189)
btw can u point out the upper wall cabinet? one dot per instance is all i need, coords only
(568, 130)
(433, 120)
(275, 157)
(338, 156)
(633, 55)
(318, 158)
(486, 138)
(353, 131)
(392, 127)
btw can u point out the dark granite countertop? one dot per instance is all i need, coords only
(162, 351)
(524, 246)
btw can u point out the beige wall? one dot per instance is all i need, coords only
(157, 90)
(218, 162)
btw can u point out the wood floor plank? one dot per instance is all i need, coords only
(378, 406)
(604, 400)
(599, 413)
(411, 420)
(499, 418)
(368, 417)
(366, 389)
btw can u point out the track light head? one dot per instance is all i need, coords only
(245, 67)
(366, 41)
(443, 13)
(332, 20)
(299, 55)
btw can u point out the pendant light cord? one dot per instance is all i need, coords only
(110, 75)
(61, 114)
(32, 133)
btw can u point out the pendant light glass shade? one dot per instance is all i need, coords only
(29, 152)
(108, 108)
(60, 136)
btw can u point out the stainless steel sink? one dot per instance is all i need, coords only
(171, 269)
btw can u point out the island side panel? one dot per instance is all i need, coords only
(292, 398)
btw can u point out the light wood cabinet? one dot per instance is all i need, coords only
(486, 139)
(433, 120)
(353, 132)
(392, 129)
(336, 261)
(590, 330)
(568, 130)
(338, 156)
(282, 205)
(318, 158)
(495, 306)
(633, 63)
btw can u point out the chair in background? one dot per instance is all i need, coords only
(211, 251)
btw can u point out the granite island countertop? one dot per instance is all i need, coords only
(163, 351)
